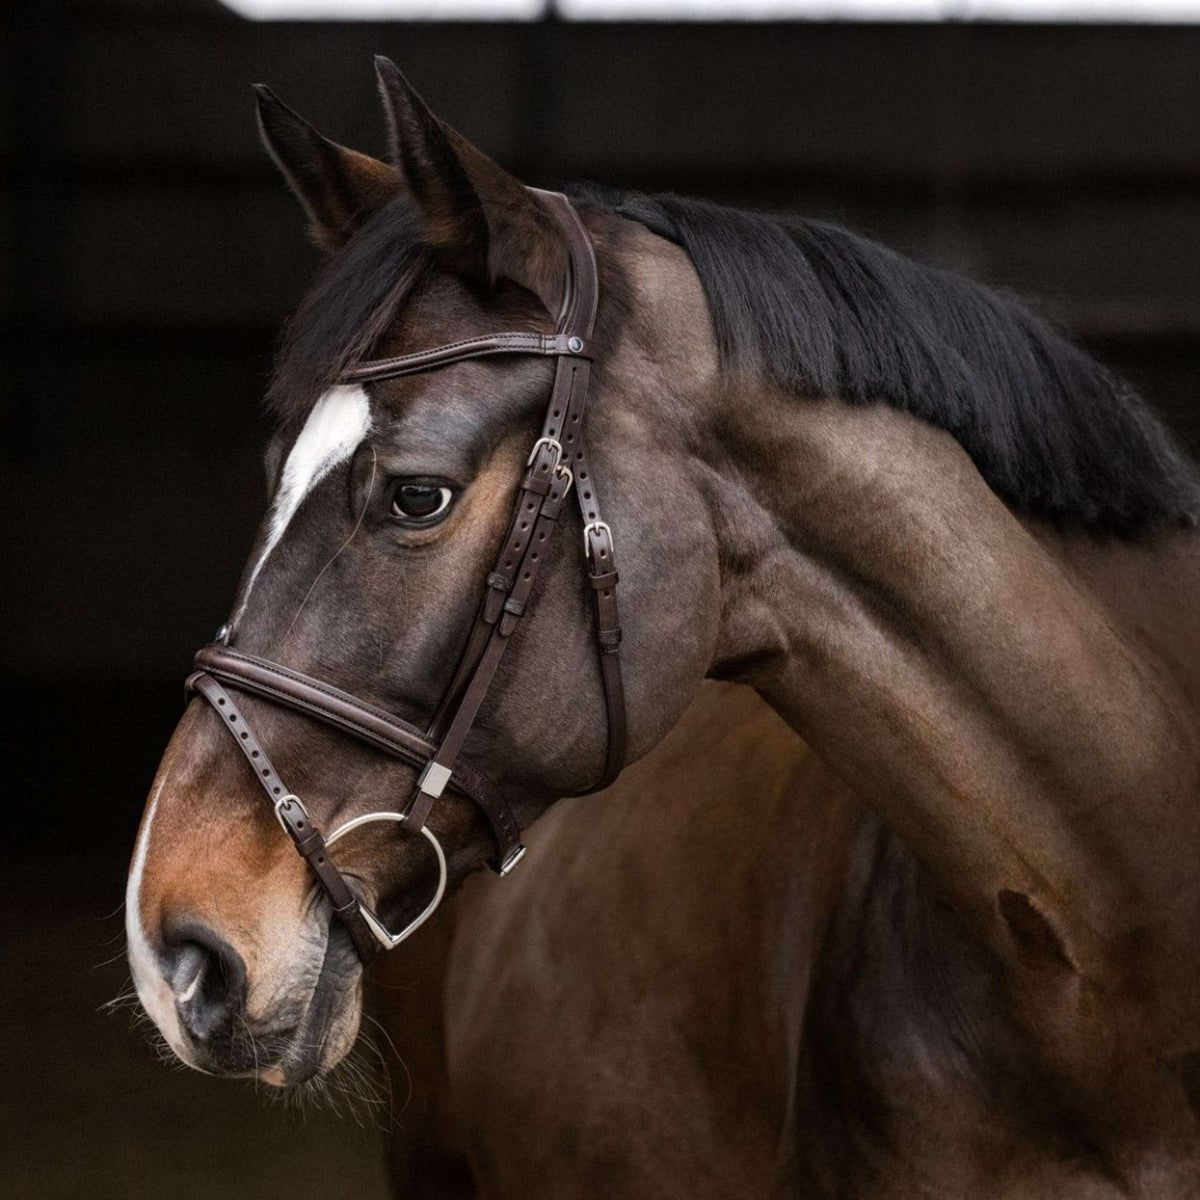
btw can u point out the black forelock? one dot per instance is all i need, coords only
(356, 296)
(820, 311)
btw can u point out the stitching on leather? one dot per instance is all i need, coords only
(466, 777)
(484, 339)
(375, 736)
(329, 690)
(472, 784)
(532, 343)
(289, 700)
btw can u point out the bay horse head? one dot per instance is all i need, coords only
(894, 502)
(394, 476)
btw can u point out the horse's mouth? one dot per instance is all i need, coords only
(329, 1026)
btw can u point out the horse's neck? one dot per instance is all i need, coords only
(1150, 588)
(957, 673)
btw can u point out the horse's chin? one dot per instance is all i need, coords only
(315, 1050)
(328, 1028)
(309, 1059)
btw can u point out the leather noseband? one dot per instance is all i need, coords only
(557, 462)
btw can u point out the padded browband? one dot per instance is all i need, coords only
(363, 721)
(547, 344)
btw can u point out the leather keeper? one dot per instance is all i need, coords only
(539, 485)
(552, 506)
(514, 606)
(310, 843)
(608, 580)
(493, 603)
(609, 639)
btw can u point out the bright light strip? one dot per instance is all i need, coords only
(752, 10)
(1074, 11)
(388, 10)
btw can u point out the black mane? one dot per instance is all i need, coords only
(821, 311)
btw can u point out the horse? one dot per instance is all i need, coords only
(953, 553)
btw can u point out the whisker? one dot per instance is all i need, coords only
(124, 1000)
(109, 961)
(408, 1077)
(127, 997)
(109, 916)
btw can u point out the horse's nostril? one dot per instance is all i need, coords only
(208, 978)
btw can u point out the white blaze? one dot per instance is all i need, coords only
(153, 990)
(337, 424)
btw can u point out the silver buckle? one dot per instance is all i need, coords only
(554, 445)
(299, 804)
(597, 525)
(561, 470)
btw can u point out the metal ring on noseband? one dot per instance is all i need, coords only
(387, 939)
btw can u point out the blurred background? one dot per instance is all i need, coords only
(148, 253)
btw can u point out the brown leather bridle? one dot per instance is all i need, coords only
(557, 461)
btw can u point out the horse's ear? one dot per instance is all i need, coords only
(482, 220)
(338, 187)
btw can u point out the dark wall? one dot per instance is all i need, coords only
(150, 253)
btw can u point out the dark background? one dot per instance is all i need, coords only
(149, 253)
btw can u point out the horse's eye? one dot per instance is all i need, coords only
(421, 503)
